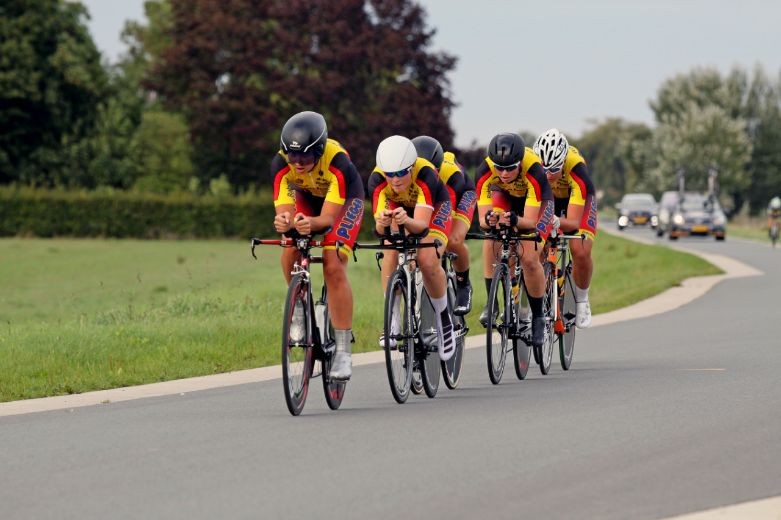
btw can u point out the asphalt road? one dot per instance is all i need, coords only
(659, 416)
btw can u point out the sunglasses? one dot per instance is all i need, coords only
(506, 168)
(301, 158)
(400, 173)
(552, 171)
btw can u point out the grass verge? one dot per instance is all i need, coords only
(81, 315)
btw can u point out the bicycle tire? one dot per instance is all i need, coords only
(498, 304)
(333, 389)
(426, 353)
(521, 350)
(451, 369)
(545, 351)
(399, 358)
(297, 360)
(568, 312)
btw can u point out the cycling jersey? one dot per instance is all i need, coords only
(529, 188)
(531, 183)
(575, 187)
(425, 189)
(461, 188)
(333, 178)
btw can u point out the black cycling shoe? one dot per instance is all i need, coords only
(538, 330)
(463, 300)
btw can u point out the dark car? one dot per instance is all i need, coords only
(637, 209)
(693, 214)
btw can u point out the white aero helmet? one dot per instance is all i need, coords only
(396, 153)
(552, 148)
(775, 203)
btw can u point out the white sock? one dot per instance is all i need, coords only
(440, 304)
(581, 295)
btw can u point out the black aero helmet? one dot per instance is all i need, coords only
(506, 149)
(430, 149)
(305, 132)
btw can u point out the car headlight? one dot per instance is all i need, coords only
(678, 219)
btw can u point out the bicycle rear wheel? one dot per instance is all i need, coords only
(399, 345)
(451, 369)
(521, 350)
(333, 389)
(568, 308)
(545, 351)
(499, 305)
(298, 356)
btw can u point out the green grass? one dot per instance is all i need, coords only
(80, 315)
(752, 229)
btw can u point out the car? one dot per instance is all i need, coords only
(693, 214)
(637, 209)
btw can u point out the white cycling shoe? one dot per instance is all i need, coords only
(583, 315)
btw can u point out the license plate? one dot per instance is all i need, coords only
(699, 229)
(641, 220)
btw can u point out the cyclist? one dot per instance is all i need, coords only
(773, 213)
(513, 191)
(576, 206)
(318, 189)
(406, 191)
(463, 200)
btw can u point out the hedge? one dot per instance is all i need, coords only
(117, 214)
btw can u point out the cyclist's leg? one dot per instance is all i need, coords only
(388, 266)
(488, 260)
(462, 219)
(582, 264)
(345, 229)
(434, 279)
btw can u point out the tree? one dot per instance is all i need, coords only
(702, 100)
(238, 70)
(700, 139)
(619, 157)
(51, 84)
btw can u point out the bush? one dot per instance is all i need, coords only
(119, 214)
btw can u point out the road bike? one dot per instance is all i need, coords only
(559, 307)
(317, 341)
(773, 232)
(451, 369)
(410, 337)
(504, 329)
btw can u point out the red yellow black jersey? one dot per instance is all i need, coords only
(426, 189)
(575, 183)
(333, 178)
(531, 183)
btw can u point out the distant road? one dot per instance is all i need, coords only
(659, 416)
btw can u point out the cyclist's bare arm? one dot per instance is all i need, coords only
(283, 220)
(571, 222)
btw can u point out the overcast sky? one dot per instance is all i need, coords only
(533, 65)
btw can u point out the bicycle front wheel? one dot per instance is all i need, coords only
(297, 353)
(451, 369)
(545, 351)
(567, 312)
(499, 322)
(399, 345)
